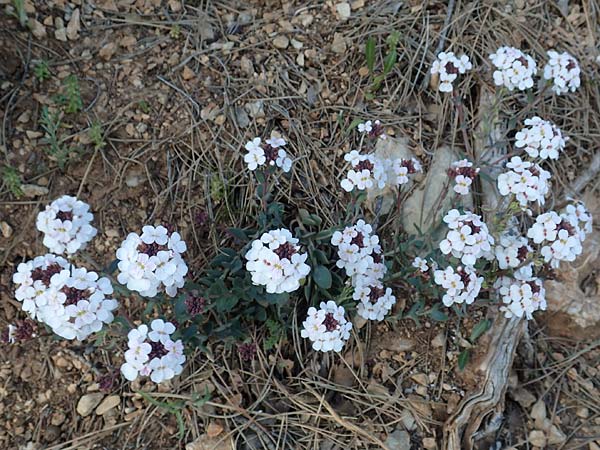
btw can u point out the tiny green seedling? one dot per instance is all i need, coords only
(12, 181)
(388, 61)
(96, 134)
(70, 98)
(42, 71)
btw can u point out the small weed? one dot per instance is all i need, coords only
(12, 181)
(144, 106)
(71, 97)
(388, 61)
(51, 124)
(275, 332)
(42, 71)
(96, 134)
(20, 12)
(175, 31)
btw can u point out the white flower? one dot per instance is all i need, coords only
(522, 295)
(462, 285)
(152, 261)
(514, 69)
(270, 154)
(372, 129)
(462, 185)
(561, 236)
(375, 301)
(563, 70)
(367, 172)
(463, 173)
(360, 254)
(275, 261)
(401, 169)
(540, 139)
(256, 155)
(365, 127)
(421, 264)
(276, 142)
(161, 331)
(154, 235)
(511, 251)
(65, 298)
(528, 182)
(448, 66)
(468, 237)
(153, 354)
(66, 224)
(327, 327)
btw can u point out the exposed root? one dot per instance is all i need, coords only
(461, 428)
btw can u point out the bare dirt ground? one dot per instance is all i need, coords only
(178, 87)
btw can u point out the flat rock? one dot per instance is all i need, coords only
(107, 404)
(398, 440)
(33, 190)
(88, 402)
(422, 210)
(537, 438)
(281, 41)
(205, 442)
(573, 298)
(37, 29)
(343, 10)
(74, 25)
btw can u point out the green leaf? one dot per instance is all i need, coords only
(463, 359)
(322, 277)
(323, 234)
(438, 315)
(238, 233)
(353, 125)
(226, 303)
(306, 218)
(260, 176)
(479, 329)
(320, 256)
(389, 61)
(370, 53)
(392, 39)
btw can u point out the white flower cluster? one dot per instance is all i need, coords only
(66, 224)
(463, 173)
(562, 235)
(275, 261)
(511, 251)
(372, 129)
(152, 260)
(270, 153)
(360, 254)
(327, 327)
(564, 72)
(375, 301)
(153, 353)
(521, 295)
(515, 69)
(540, 138)
(367, 172)
(468, 237)
(402, 168)
(527, 181)
(462, 285)
(448, 66)
(33, 280)
(71, 301)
